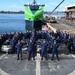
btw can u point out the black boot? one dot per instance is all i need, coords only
(21, 59)
(58, 59)
(17, 58)
(52, 59)
(28, 59)
(33, 58)
(46, 58)
(41, 58)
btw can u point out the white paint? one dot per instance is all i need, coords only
(3, 73)
(2, 56)
(73, 55)
(38, 65)
(73, 73)
(6, 57)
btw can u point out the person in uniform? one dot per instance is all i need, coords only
(54, 50)
(43, 35)
(5, 36)
(69, 44)
(34, 45)
(19, 49)
(10, 36)
(49, 46)
(52, 40)
(74, 46)
(13, 43)
(31, 50)
(44, 50)
(0, 42)
(20, 35)
(58, 40)
(64, 38)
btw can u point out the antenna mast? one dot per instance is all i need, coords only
(34, 2)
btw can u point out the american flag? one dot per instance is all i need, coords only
(45, 28)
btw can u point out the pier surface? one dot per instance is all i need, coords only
(62, 26)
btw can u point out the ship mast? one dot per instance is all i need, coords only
(34, 2)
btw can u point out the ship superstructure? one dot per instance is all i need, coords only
(33, 16)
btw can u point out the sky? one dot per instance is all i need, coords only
(17, 5)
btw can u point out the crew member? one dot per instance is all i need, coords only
(31, 50)
(44, 50)
(19, 49)
(54, 50)
(13, 43)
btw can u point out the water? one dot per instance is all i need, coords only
(14, 22)
(56, 15)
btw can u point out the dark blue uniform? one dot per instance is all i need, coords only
(54, 51)
(43, 35)
(50, 47)
(19, 50)
(52, 40)
(74, 46)
(30, 50)
(58, 40)
(44, 50)
(6, 36)
(64, 38)
(13, 45)
(34, 46)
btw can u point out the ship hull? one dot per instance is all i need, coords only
(33, 25)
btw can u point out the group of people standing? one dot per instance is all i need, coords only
(50, 40)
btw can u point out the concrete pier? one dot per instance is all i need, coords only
(62, 26)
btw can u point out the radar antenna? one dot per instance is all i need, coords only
(34, 2)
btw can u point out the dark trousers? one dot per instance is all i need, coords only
(74, 49)
(44, 54)
(0, 49)
(35, 50)
(53, 53)
(13, 49)
(31, 54)
(19, 53)
(69, 48)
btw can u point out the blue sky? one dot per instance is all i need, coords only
(17, 5)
